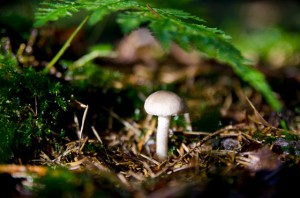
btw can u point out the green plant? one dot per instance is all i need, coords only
(85, 74)
(168, 25)
(30, 106)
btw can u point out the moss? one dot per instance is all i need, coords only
(30, 106)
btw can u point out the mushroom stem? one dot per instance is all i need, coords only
(162, 137)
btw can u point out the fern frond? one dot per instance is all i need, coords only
(213, 42)
(179, 14)
(54, 11)
(100, 8)
(168, 25)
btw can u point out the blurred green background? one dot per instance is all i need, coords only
(265, 31)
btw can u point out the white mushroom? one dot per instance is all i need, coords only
(164, 104)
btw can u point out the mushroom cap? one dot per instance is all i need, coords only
(164, 103)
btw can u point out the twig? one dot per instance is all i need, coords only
(195, 133)
(150, 159)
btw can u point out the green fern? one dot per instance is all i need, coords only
(167, 25)
(54, 11)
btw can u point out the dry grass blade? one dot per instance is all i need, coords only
(206, 138)
(195, 133)
(96, 134)
(76, 163)
(79, 133)
(92, 163)
(258, 118)
(124, 122)
(150, 159)
(86, 107)
(148, 134)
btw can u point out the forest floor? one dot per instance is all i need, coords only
(234, 146)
